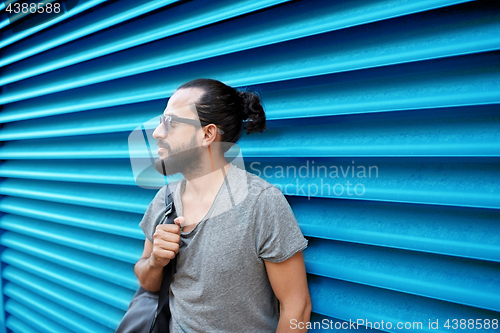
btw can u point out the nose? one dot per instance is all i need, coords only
(158, 132)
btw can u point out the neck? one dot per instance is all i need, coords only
(207, 184)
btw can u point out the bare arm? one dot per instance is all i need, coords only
(157, 254)
(289, 283)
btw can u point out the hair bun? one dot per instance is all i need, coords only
(252, 112)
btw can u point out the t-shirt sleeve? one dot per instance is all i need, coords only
(278, 234)
(154, 214)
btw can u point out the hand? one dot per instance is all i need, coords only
(166, 243)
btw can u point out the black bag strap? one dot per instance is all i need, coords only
(162, 316)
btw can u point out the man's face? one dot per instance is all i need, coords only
(179, 150)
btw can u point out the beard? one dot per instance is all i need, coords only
(185, 160)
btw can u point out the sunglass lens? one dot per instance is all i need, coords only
(164, 121)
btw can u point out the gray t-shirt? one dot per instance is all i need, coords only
(221, 284)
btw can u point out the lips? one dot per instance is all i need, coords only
(162, 149)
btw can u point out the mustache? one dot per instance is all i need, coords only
(163, 144)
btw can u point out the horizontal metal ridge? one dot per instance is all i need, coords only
(115, 197)
(53, 311)
(401, 133)
(457, 280)
(275, 25)
(108, 221)
(109, 15)
(153, 27)
(391, 180)
(124, 249)
(7, 37)
(352, 131)
(107, 269)
(447, 230)
(77, 302)
(98, 289)
(116, 172)
(18, 326)
(82, 123)
(437, 83)
(22, 320)
(115, 13)
(382, 134)
(355, 301)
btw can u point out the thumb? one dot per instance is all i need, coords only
(180, 221)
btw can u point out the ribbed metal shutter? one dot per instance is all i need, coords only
(408, 90)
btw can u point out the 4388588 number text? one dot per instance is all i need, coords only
(469, 324)
(33, 8)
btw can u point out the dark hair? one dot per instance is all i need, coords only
(227, 107)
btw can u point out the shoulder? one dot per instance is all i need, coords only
(253, 183)
(258, 188)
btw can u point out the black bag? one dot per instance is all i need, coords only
(141, 316)
(140, 313)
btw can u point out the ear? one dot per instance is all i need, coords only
(209, 135)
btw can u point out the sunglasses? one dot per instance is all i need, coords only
(167, 120)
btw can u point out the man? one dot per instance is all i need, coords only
(237, 243)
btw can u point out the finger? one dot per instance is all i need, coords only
(163, 246)
(166, 236)
(173, 228)
(161, 254)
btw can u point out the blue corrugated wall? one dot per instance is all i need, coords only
(383, 132)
